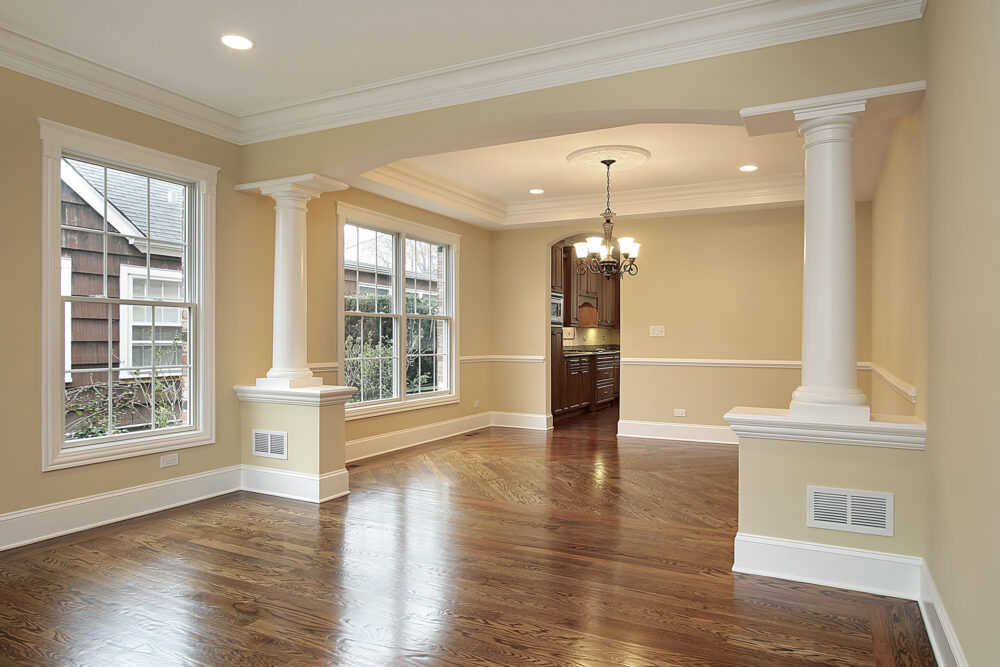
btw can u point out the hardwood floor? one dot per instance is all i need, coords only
(497, 547)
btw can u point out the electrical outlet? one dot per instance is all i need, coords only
(168, 460)
(680, 412)
(475, 404)
(657, 331)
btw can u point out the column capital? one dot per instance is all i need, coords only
(849, 109)
(302, 187)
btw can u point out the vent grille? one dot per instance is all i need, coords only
(272, 444)
(848, 509)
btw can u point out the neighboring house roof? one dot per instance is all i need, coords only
(127, 195)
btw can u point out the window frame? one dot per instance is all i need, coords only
(57, 141)
(401, 229)
(127, 273)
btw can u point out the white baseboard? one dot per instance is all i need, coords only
(535, 422)
(839, 567)
(295, 485)
(384, 443)
(48, 521)
(944, 640)
(722, 435)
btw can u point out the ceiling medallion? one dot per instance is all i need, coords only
(624, 157)
(597, 255)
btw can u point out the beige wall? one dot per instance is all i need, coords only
(711, 90)
(243, 290)
(474, 308)
(900, 269)
(963, 142)
(725, 286)
(774, 475)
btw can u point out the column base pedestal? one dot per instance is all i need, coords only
(311, 465)
(289, 383)
(830, 404)
(828, 412)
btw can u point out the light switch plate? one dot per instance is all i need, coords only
(657, 331)
(168, 460)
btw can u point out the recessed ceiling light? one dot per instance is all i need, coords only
(238, 42)
(748, 167)
(536, 191)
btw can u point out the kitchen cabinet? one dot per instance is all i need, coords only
(571, 296)
(582, 381)
(558, 273)
(579, 381)
(608, 303)
(606, 372)
(589, 285)
(590, 290)
(559, 375)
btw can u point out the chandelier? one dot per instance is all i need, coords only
(599, 255)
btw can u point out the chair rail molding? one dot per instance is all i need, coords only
(503, 358)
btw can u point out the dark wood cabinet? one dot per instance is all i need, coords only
(607, 303)
(579, 381)
(592, 290)
(559, 388)
(558, 274)
(589, 285)
(606, 367)
(571, 297)
(582, 382)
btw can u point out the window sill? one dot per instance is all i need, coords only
(140, 446)
(380, 409)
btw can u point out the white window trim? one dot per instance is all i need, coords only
(347, 213)
(126, 274)
(57, 139)
(66, 289)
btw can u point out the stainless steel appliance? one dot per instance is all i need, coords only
(556, 318)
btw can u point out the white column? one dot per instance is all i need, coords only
(289, 368)
(829, 310)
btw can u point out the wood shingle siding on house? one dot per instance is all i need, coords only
(89, 347)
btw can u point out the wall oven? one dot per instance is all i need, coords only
(556, 318)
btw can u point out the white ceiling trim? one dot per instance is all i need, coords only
(424, 189)
(740, 26)
(427, 188)
(742, 192)
(28, 56)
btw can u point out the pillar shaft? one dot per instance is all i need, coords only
(290, 288)
(829, 297)
(291, 195)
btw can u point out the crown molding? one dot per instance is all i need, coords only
(410, 184)
(28, 56)
(739, 26)
(673, 199)
(406, 183)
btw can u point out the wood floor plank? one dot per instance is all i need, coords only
(498, 547)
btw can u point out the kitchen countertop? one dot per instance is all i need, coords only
(587, 353)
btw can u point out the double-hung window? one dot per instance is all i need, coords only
(127, 316)
(398, 304)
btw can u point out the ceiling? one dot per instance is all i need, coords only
(691, 168)
(680, 154)
(307, 48)
(320, 64)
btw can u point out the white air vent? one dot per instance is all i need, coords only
(847, 509)
(273, 444)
